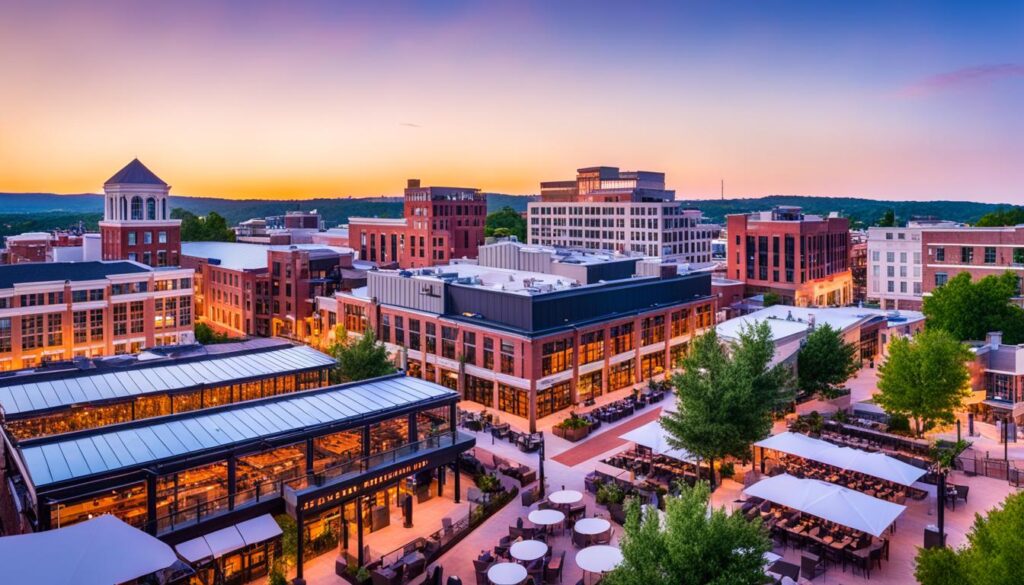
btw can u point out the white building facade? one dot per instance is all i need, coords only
(895, 264)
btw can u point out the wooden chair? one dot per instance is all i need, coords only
(810, 566)
(553, 570)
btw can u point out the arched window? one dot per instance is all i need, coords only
(124, 209)
(163, 207)
(150, 208)
(111, 208)
(136, 207)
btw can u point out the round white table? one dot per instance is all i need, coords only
(546, 517)
(592, 526)
(600, 558)
(565, 497)
(528, 550)
(506, 574)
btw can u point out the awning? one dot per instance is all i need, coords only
(227, 540)
(877, 465)
(653, 436)
(828, 502)
(100, 551)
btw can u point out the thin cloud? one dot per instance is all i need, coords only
(409, 125)
(963, 78)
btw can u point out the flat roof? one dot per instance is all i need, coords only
(113, 449)
(786, 320)
(85, 386)
(245, 256)
(12, 274)
(498, 279)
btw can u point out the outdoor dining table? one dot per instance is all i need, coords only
(546, 517)
(528, 550)
(592, 526)
(599, 558)
(565, 497)
(506, 574)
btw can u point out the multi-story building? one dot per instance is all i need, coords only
(625, 211)
(439, 224)
(137, 222)
(804, 259)
(59, 246)
(59, 310)
(294, 227)
(202, 448)
(895, 263)
(980, 252)
(530, 343)
(997, 381)
(250, 289)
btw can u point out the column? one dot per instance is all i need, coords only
(232, 481)
(359, 531)
(151, 503)
(458, 480)
(413, 430)
(301, 528)
(309, 456)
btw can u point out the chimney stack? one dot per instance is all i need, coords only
(994, 339)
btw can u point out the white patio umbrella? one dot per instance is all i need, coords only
(877, 465)
(828, 502)
(654, 437)
(99, 551)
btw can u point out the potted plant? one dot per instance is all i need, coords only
(573, 428)
(611, 496)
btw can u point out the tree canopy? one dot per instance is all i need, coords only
(207, 336)
(726, 395)
(211, 227)
(970, 309)
(994, 553)
(888, 218)
(361, 359)
(505, 222)
(925, 378)
(1002, 217)
(693, 547)
(825, 362)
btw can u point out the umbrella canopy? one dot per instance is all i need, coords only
(653, 436)
(829, 502)
(877, 465)
(100, 551)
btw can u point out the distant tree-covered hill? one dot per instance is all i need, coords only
(334, 210)
(21, 212)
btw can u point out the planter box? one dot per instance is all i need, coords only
(572, 435)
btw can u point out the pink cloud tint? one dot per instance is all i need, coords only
(963, 78)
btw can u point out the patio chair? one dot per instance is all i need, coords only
(579, 540)
(535, 570)
(481, 578)
(859, 559)
(810, 566)
(482, 564)
(604, 537)
(553, 570)
(961, 492)
(786, 570)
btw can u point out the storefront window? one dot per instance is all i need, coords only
(514, 400)
(680, 322)
(479, 390)
(589, 386)
(388, 435)
(553, 399)
(266, 469)
(652, 330)
(433, 422)
(592, 347)
(621, 338)
(556, 356)
(508, 357)
(652, 364)
(337, 448)
(127, 503)
(678, 352)
(620, 375)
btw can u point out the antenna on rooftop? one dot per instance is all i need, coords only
(723, 189)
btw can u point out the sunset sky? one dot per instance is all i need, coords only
(895, 100)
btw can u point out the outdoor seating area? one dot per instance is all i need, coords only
(909, 450)
(660, 470)
(803, 468)
(486, 422)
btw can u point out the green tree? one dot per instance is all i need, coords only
(209, 228)
(771, 299)
(825, 362)
(994, 553)
(692, 548)
(969, 309)
(362, 359)
(1002, 217)
(207, 336)
(726, 395)
(888, 218)
(509, 221)
(925, 378)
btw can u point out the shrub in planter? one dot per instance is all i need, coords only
(573, 428)
(727, 470)
(610, 493)
(487, 483)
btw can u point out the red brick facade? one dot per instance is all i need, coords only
(980, 252)
(151, 243)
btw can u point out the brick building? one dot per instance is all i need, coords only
(895, 264)
(805, 259)
(439, 224)
(528, 343)
(59, 310)
(137, 222)
(250, 289)
(980, 252)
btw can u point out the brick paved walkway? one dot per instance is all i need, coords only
(605, 441)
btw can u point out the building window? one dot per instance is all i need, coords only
(431, 338)
(479, 390)
(1018, 255)
(399, 330)
(54, 329)
(469, 347)
(620, 375)
(488, 353)
(31, 331)
(652, 330)
(589, 386)
(121, 319)
(5, 335)
(147, 237)
(448, 337)
(990, 255)
(680, 322)
(414, 334)
(940, 254)
(80, 326)
(508, 357)
(385, 328)
(136, 207)
(514, 400)
(553, 399)
(966, 255)
(355, 317)
(161, 237)
(556, 356)
(941, 278)
(137, 315)
(592, 347)
(621, 338)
